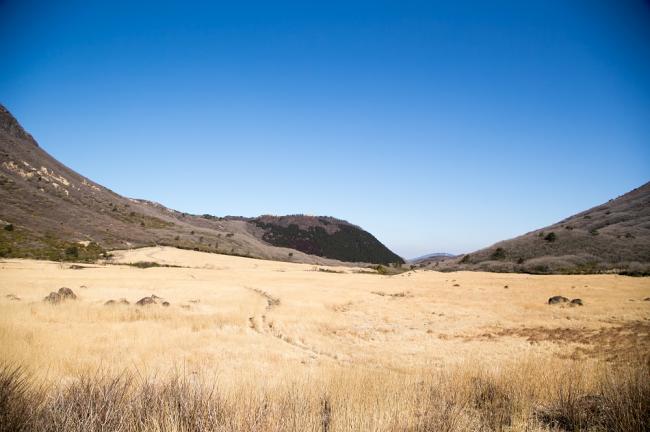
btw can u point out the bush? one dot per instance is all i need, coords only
(497, 266)
(550, 237)
(9, 227)
(381, 269)
(499, 254)
(72, 252)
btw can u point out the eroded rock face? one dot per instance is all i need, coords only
(557, 300)
(61, 295)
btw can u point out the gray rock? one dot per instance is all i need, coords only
(53, 297)
(67, 294)
(557, 299)
(63, 294)
(144, 301)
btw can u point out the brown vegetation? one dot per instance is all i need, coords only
(522, 396)
(259, 345)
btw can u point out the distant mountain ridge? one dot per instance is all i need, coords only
(49, 211)
(432, 257)
(614, 236)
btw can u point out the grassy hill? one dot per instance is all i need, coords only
(325, 236)
(611, 237)
(51, 212)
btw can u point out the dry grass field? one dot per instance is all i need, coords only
(259, 345)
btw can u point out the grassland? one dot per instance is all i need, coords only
(259, 345)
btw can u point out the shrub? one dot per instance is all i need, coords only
(499, 254)
(381, 269)
(72, 252)
(9, 227)
(150, 264)
(550, 237)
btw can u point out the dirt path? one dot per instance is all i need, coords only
(268, 329)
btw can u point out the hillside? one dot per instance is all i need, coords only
(432, 257)
(51, 212)
(325, 236)
(614, 236)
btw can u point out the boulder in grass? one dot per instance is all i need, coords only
(61, 295)
(67, 294)
(53, 297)
(144, 301)
(557, 300)
(165, 303)
(576, 302)
(112, 302)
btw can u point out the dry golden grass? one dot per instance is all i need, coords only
(259, 345)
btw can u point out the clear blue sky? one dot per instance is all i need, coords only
(437, 126)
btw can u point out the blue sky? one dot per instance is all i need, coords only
(437, 126)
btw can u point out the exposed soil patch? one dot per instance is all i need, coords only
(611, 342)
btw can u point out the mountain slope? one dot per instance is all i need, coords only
(432, 257)
(614, 236)
(49, 211)
(325, 236)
